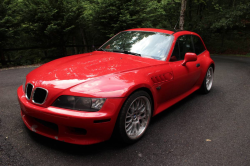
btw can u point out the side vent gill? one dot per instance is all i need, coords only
(162, 77)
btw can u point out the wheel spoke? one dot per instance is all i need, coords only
(137, 126)
(137, 104)
(142, 110)
(140, 107)
(129, 114)
(132, 109)
(143, 116)
(143, 122)
(142, 104)
(129, 121)
(129, 127)
(133, 130)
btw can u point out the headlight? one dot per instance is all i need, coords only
(79, 103)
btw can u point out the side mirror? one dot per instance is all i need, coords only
(189, 57)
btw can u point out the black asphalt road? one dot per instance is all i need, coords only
(212, 129)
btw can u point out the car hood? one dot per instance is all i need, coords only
(66, 72)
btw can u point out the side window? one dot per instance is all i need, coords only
(182, 46)
(198, 45)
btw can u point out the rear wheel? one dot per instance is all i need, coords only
(135, 116)
(208, 80)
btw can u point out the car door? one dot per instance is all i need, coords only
(199, 49)
(186, 76)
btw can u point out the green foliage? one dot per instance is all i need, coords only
(230, 17)
(49, 22)
(8, 22)
(47, 27)
(112, 16)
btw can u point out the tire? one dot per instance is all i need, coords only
(208, 81)
(134, 117)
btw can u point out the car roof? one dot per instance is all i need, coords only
(177, 33)
(151, 30)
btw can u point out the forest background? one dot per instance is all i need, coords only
(37, 31)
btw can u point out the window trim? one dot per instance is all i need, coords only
(201, 42)
(205, 49)
(179, 47)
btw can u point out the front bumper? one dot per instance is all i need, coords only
(77, 127)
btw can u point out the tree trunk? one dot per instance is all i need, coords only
(190, 4)
(75, 48)
(64, 51)
(222, 41)
(84, 40)
(182, 13)
(63, 47)
(45, 52)
(3, 60)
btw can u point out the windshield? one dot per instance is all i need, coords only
(145, 44)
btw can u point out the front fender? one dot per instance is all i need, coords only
(206, 63)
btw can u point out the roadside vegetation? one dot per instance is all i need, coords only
(37, 31)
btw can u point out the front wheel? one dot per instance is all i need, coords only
(208, 81)
(135, 116)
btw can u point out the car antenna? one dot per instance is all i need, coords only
(176, 24)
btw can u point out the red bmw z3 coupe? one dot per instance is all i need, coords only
(138, 73)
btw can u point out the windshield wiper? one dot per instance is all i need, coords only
(127, 52)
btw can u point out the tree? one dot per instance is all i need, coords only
(8, 25)
(182, 13)
(112, 16)
(50, 22)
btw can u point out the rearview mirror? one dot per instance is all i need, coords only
(189, 57)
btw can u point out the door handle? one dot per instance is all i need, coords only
(197, 65)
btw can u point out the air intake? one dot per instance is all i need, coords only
(29, 89)
(39, 95)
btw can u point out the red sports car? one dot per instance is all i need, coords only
(137, 74)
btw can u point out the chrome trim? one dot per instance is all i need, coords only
(31, 93)
(44, 98)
